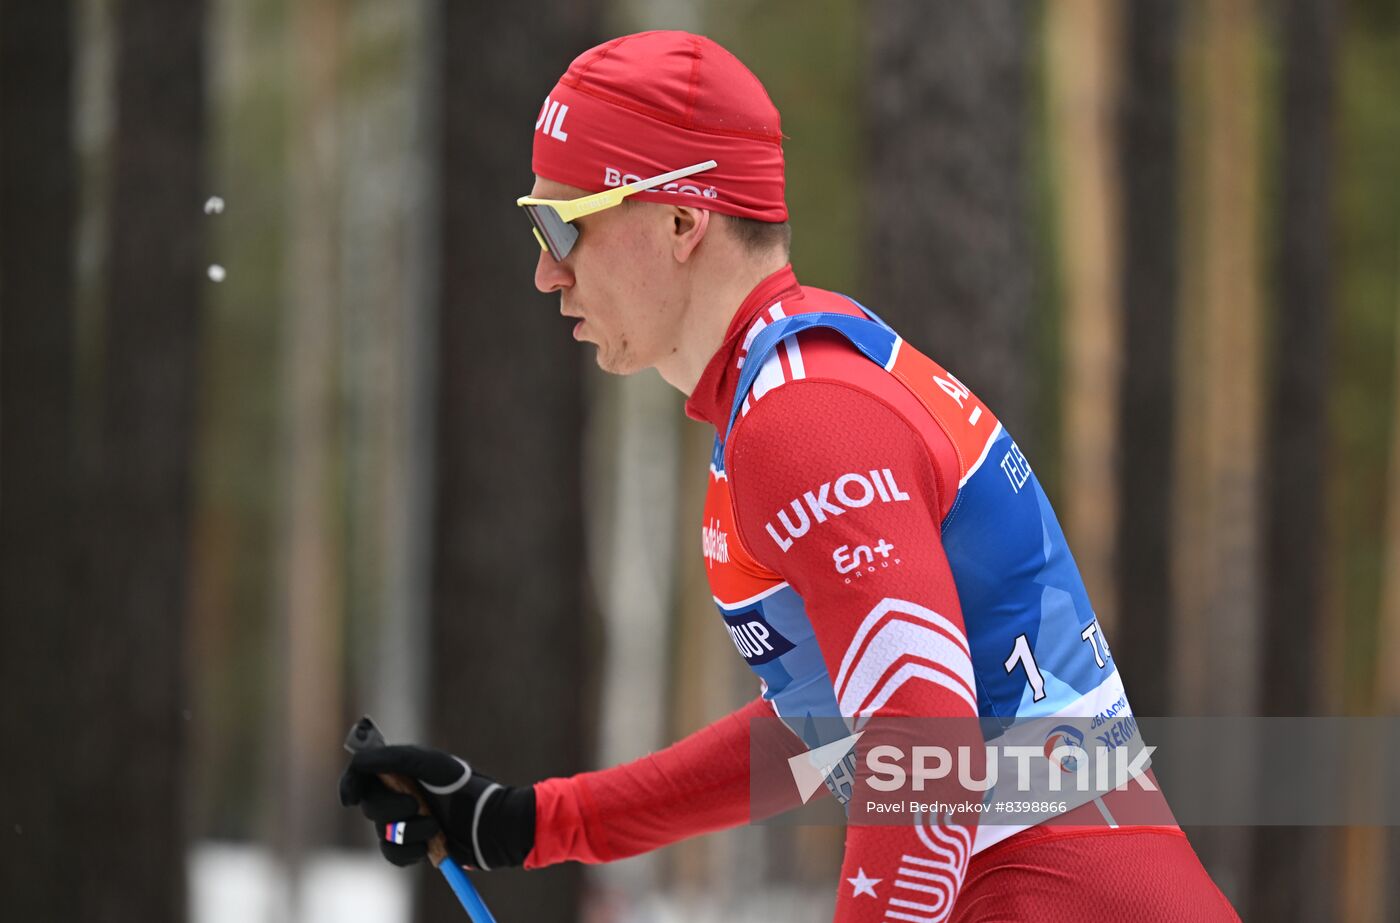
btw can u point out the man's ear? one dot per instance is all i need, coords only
(688, 227)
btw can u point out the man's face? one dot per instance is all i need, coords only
(618, 279)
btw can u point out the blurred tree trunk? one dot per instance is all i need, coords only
(1288, 859)
(234, 631)
(1147, 119)
(633, 473)
(308, 606)
(1384, 853)
(1216, 641)
(37, 205)
(388, 365)
(947, 252)
(1083, 40)
(1362, 458)
(508, 609)
(1367, 886)
(129, 662)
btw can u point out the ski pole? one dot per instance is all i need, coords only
(366, 736)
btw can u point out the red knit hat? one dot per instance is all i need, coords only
(645, 104)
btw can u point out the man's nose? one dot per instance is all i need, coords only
(551, 275)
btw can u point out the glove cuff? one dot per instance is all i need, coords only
(506, 831)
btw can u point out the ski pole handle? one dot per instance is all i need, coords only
(365, 735)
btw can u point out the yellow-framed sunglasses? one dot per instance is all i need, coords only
(553, 218)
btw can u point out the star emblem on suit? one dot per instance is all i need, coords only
(864, 885)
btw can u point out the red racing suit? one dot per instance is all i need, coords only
(878, 552)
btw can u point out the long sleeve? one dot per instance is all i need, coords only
(695, 786)
(836, 492)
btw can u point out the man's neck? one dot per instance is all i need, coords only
(714, 297)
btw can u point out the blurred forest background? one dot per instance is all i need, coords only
(370, 469)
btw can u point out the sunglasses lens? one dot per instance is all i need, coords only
(558, 235)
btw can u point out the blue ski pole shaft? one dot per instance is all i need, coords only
(364, 736)
(466, 892)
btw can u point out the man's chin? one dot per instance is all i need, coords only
(616, 365)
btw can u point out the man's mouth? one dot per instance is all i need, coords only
(573, 315)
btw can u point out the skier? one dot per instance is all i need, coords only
(876, 542)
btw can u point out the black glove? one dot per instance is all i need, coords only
(487, 825)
